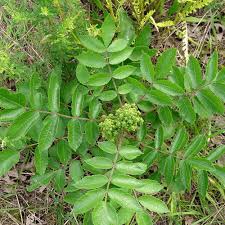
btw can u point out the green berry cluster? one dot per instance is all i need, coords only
(126, 119)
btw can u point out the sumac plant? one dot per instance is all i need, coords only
(97, 137)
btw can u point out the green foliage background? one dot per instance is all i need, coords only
(119, 131)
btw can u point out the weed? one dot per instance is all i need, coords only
(108, 165)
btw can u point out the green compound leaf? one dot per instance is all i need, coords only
(123, 72)
(200, 109)
(82, 74)
(143, 218)
(92, 43)
(145, 106)
(141, 132)
(165, 62)
(40, 161)
(91, 182)
(165, 115)
(201, 164)
(144, 36)
(92, 59)
(125, 89)
(131, 168)
(130, 152)
(71, 198)
(91, 132)
(76, 170)
(95, 108)
(104, 214)
(48, 132)
(219, 173)
(35, 97)
(107, 146)
(218, 90)
(180, 140)
(59, 180)
(125, 215)
(108, 30)
(88, 201)
(168, 87)
(137, 86)
(77, 101)
(22, 125)
(139, 50)
(147, 68)
(185, 174)
(153, 204)
(194, 73)
(99, 162)
(125, 181)
(8, 158)
(107, 95)
(159, 137)
(216, 154)
(186, 110)
(149, 187)
(75, 134)
(177, 76)
(117, 45)
(196, 145)
(63, 151)
(127, 30)
(118, 57)
(221, 75)
(212, 67)
(87, 216)
(7, 115)
(66, 93)
(124, 199)
(159, 98)
(54, 91)
(202, 183)
(40, 180)
(99, 79)
(150, 157)
(210, 101)
(169, 169)
(9, 100)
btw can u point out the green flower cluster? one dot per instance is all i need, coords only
(126, 119)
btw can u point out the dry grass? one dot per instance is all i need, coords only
(19, 207)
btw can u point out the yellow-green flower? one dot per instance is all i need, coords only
(126, 119)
